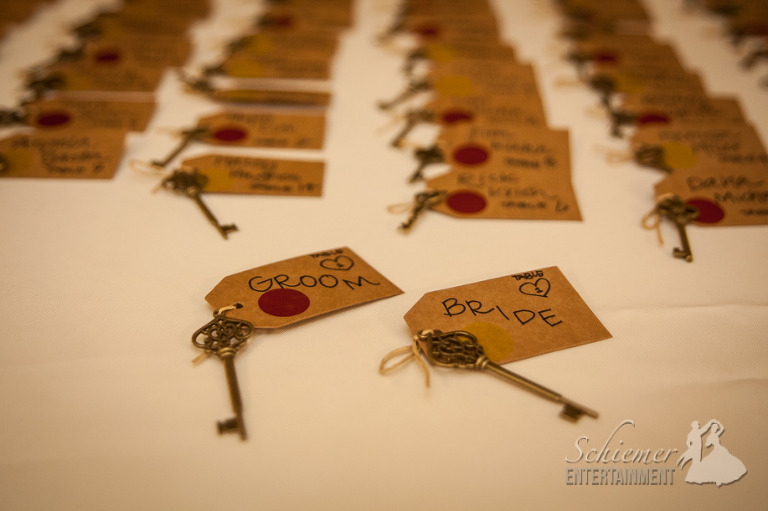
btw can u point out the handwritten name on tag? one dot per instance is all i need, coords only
(289, 291)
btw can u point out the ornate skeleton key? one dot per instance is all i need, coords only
(191, 184)
(460, 350)
(188, 136)
(428, 156)
(412, 118)
(223, 337)
(681, 214)
(414, 87)
(422, 202)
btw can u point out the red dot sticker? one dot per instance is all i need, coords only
(652, 118)
(456, 116)
(427, 30)
(110, 56)
(52, 119)
(284, 302)
(229, 134)
(470, 154)
(465, 201)
(605, 56)
(281, 20)
(709, 211)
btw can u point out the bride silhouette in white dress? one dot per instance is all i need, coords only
(719, 466)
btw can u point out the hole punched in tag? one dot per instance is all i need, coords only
(224, 337)
(459, 349)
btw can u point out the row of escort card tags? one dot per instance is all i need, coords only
(68, 133)
(502, 159)
(712, 162)
(76, 108)
(745, 22)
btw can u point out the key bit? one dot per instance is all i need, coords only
(426, 156)
(422, 202)
(414, 87)
(191, 184)
(681, 214)
(187, 136)
(460, 350)
(223, 337)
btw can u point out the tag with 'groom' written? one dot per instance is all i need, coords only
(300, 288)
(513, 317)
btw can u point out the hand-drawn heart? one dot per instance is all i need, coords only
(342, 263)
(537, 290)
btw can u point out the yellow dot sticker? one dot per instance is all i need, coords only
(678, 155)
(439, 53)
(456, 85)
(496, 342)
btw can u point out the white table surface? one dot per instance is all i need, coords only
(102, 284)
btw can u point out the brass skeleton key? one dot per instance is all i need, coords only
(191, 184)
(223, 337)
(189, 135)
(421, 203)
(412, 118)
(428, 156)
(414, 87)
(681, 214)
(460, 350)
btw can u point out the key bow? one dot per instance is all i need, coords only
(457, 349)
(222, 335)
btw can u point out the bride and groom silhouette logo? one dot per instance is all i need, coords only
(719, 466)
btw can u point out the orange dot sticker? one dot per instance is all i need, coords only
(496, 342)
(470, 154)
(709, 212)
(466, 201)
(453, 85)
(283, 302)
(229, 134)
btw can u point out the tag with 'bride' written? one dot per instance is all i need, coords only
(514, 317)
(300, 288)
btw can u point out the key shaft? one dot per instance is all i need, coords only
(188, 136)
(460, 350)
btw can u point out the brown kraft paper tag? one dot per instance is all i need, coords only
(514, 317)
(487, 108)
(124, 78)
(278, 129)
(682, 145)
(67, 113)
(506, 194)
(278, 65)
(259, 176)
(497, 145)
(726, 194)
(293, 290)
(81, 155)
